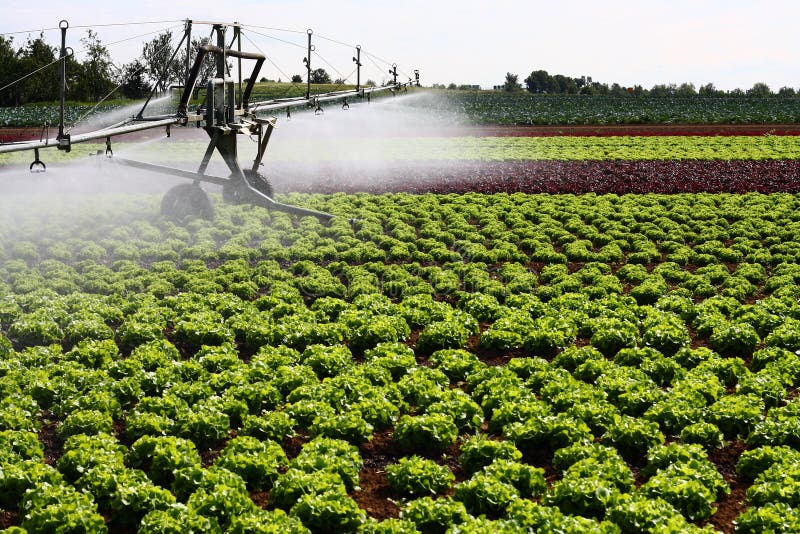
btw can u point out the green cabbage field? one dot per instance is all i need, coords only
(523, 108)
(448, 363)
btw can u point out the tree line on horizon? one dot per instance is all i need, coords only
(541, 82)
(35, 64)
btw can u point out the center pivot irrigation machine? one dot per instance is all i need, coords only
(225, 113)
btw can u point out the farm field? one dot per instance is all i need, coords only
(582, 362)
(475, 148)
(579, 332)
(498, 107)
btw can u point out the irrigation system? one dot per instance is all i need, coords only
(225, 114)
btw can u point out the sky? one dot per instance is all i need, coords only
(732, 43)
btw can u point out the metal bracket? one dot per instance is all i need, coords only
(64, 143)
(37, 163)
(318, 108)
(263, 139)
(345, 105)
(109, 152)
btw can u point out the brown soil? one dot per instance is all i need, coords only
(376, 496)
(8, 519)
(729, 508)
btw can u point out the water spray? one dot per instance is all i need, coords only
(225, 114)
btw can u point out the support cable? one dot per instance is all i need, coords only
(39, 30)
(288, 78)
(348, 45)
(169, 44)
(278, 39)
(273, 29)
(328, 63)
(34, 72)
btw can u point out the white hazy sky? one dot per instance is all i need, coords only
(731, 43)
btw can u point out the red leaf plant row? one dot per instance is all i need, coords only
(621, 177)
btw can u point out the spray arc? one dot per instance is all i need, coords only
(225, 114)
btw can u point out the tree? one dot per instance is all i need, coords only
(686, 89)
(539, 82)
(320, 76)
(134, 83)
(511, 84)
(9, 71)
(208, 69)
(759, 89)
(44, 85)
(564, 85)
(709, 90)
(95, 81)
(296, 78)
(617, 90)
(787, 91)
(663, 90)
(156, 55)
(370, 83)
(339, 81)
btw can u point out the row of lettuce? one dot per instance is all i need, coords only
(468, 148)
(643, 331)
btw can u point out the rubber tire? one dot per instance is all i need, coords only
(186, 201)
(259, 182)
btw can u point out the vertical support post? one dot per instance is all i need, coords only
(220, 29)
(220, 93)
(357, 59)
(416, 76)
(63, 72)
(237, 32)
(393, 72)
(308, 64)
(188, 31)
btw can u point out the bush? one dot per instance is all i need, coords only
(666, 337)
(87, 422)
(736, 415)
(738, 339)
(290, 486)
(772, 517)
(257, 462)
(327, 361)
(632, 436)
(175, 519)
(702, 433)
(753, 462)
(485, 494)
(160, 457)
(442, 335)
(434, 516)
(528, 480)
(331, 512)
(477, 452)
(586, 496)
(552, 431)
(464, 412)
(349, 426)
(60, 508)
(635, 513)
(330, 455)
(434, 431)
(610, 335)
(418, 476)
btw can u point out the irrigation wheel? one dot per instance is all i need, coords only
(186, 201)
(237, 192)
